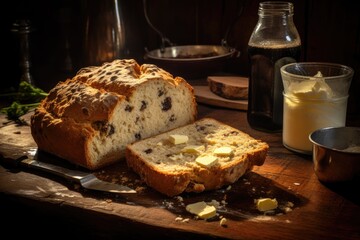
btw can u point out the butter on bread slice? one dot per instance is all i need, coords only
(173, 169)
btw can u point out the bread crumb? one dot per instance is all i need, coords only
(179, 198)
(140, 189)
(124, 179)
(168, 205)
(223, 222)
(287, 209)
(214, 203)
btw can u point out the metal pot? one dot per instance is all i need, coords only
(192, 61)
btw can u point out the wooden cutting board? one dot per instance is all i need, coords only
(147, 204)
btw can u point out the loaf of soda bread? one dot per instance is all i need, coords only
(89, 119)
(204, 155)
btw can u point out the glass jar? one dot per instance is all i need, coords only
(315, 96)
(274, 42)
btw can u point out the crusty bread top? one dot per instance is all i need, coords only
(95, 91)
(75, 100)
(122, 75)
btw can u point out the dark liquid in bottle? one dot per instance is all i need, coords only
(265, 107)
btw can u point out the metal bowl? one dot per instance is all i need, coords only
(192, 61)
(336, 153)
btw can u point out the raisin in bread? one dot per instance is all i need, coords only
(201, 156)
(89, 119)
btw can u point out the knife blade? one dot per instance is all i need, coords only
(86, 180)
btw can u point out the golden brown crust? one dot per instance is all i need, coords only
(45, 129)
(166, 183)
(64, 122)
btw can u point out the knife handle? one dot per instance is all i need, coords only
(54, 169)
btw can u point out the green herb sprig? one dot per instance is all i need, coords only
(26, 98)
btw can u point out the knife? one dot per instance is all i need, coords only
(86, 180)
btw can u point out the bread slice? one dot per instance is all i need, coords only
(172, 168)
(229, 87)
(89, 119)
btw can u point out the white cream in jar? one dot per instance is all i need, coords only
(308, 106)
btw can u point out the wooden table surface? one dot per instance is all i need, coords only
(32, 202)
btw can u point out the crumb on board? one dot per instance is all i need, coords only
(223, 222)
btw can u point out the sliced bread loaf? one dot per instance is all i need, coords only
(201, 156)
(89, 119)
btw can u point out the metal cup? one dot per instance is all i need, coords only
(336, 153)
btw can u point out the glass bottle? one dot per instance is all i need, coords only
(274, 42)
(104, 27)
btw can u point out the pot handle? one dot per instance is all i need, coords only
(240, 8)
(236, 53)
(164, 40)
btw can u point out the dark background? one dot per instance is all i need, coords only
(329, 30)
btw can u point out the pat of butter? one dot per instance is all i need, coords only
(266, 204)
(192, 149)
(202, 210)
(223, 151)
(178, 139)
(206, 160)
